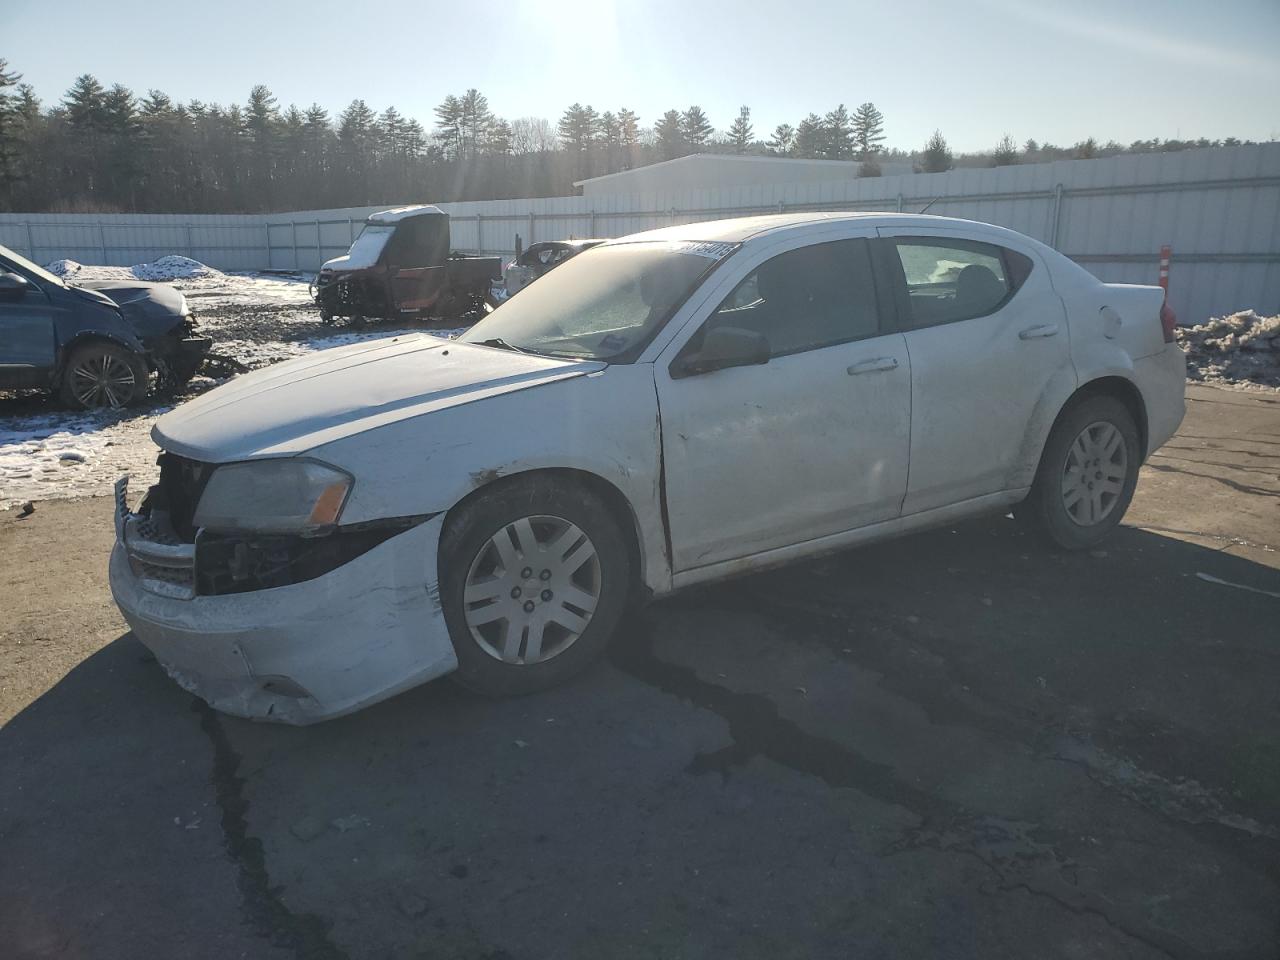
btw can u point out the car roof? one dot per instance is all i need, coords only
(740, 229)
(396, 214)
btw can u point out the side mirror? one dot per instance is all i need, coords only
(13, 286)
(724, 347)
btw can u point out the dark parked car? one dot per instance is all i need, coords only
(94, 347)
(541, 257)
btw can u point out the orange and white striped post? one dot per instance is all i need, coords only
(1166, 253)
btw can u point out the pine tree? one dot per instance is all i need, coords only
(1087, 149)
(670, 135)
(610, 130)
(477, 118)
(577, 128)
(391, 132)
(1005, 153)
(498, 140)
(11, 127)
(629, 127)
(449, 125)
(809, 139)
(937, 155)
(695, 127)
(784, 136)
(741, 132)
(868, 130)
(837, 135)
(83, 104)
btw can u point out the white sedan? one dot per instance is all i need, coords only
(663, 410)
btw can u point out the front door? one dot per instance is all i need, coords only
(28, 344)
(811, 443)
(986, 334)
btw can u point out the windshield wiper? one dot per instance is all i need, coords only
(502, 345)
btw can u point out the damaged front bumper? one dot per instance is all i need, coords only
(301, 653)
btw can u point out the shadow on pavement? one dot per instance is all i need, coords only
(957, 744)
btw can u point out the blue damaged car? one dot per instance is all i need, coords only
(95, 344)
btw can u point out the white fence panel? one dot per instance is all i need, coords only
(1219, 209)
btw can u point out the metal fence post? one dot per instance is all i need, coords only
(191, 250)
(1054, 216)
(319, 252)
(532, 215)
(593, 223)
(31, 245)
(294, 225)
(102, 241)
(899, 202)
(266, 228)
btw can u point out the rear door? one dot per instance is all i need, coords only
(28, 342)
(986, 334)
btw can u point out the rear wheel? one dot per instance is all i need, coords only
(102, 374)
(1087, 474)
(534, 578)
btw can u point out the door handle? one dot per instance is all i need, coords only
(1035, 333)
(872, 366)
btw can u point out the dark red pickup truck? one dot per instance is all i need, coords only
(400, 266)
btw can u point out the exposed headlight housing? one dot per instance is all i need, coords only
(273, 496)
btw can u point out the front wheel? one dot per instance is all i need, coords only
(1087, 474)
(534, 577)
(103, 375)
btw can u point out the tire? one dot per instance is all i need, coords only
(1087, 474)
(100, 374)
(518, 629)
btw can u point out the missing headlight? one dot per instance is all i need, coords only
(242, 562)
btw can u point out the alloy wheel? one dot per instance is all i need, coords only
(102, 380)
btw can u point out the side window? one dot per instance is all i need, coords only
(950, 280)
(812, 297)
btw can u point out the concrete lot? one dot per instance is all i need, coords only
(954, 745)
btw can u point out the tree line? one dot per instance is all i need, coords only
(107, 149)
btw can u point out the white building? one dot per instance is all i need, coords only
(709, 171)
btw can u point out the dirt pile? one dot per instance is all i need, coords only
(1240, 348)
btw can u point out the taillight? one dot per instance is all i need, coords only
(1168, 321)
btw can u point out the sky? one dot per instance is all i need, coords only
(975, 69)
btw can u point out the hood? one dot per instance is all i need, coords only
(93, 296)
(291, 407)
(151, 308)
(337, 263)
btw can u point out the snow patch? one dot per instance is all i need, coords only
(1242, 348)
(166, 269)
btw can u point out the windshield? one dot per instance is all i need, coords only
(24, 264)
(602, 303)
(368, 246)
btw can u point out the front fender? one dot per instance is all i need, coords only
(604, 424)
(120, 338)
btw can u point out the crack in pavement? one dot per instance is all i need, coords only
(758, 730)
(1233, 484)
(306, 934)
